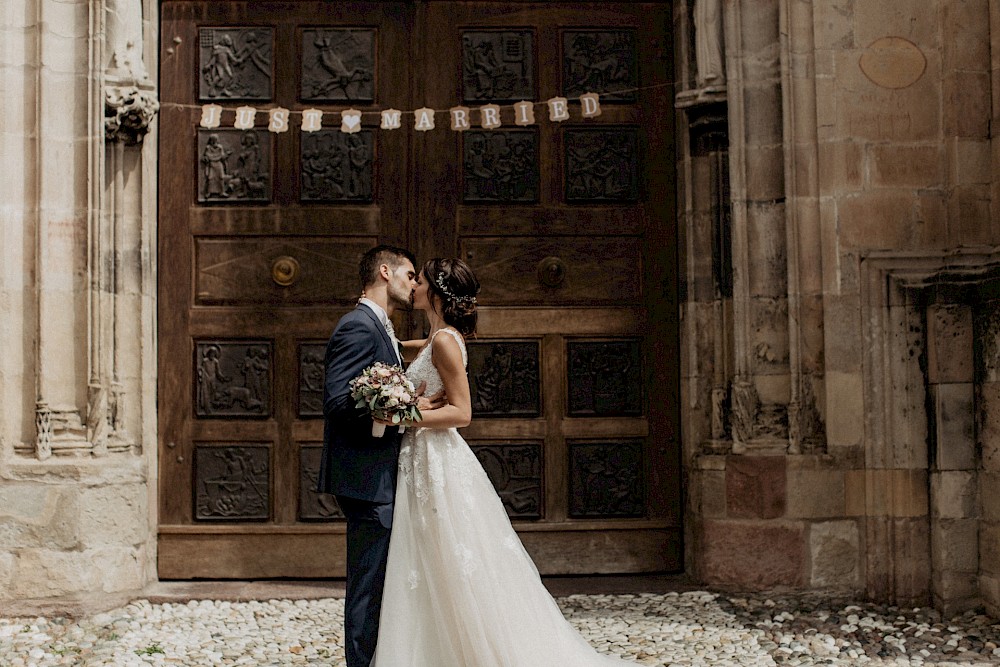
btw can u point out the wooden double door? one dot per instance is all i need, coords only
(568, 224)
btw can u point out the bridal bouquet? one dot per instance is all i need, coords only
(387, 393)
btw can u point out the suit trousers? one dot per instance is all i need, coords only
(368, 529)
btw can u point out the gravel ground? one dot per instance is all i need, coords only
(691, 628)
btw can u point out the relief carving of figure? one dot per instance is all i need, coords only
(247, 180)
(358, 158)
(124, 40)
(214, 169)
(236, 66)
(708, 43)
(495, 385)
(345, 63)
(219, 70)
(210, 378)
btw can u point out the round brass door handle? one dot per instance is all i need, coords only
(551, 272)
(285, 270)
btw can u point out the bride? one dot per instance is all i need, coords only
(460, 590)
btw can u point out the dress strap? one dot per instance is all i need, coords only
(461, 342)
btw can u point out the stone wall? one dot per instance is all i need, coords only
(77, 287)
(829, 393)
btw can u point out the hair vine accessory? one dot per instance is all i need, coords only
(439, 280)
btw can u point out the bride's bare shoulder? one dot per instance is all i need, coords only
(445, 346)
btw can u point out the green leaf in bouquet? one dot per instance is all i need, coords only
(396, 418)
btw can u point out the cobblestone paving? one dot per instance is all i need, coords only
(690, 628)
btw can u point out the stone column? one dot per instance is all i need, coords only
(60, 352)
(803, 231)
(760, 391)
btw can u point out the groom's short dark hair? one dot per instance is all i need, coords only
(376, 257)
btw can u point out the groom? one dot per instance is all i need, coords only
(358, 468)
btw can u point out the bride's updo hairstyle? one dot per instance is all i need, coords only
(453, 281)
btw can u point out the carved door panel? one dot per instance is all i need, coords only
(260, 237)
(569, 226)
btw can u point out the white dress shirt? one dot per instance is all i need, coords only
(383, 317)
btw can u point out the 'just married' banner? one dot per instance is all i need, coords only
(460, 118)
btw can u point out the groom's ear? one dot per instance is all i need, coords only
(385, 271)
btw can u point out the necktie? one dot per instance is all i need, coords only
(392, 336)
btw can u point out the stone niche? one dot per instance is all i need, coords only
(932, 368)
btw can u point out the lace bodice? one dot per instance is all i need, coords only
(422, 368)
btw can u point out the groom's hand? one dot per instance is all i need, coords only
(438, 400)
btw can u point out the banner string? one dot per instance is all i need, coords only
(298, 112)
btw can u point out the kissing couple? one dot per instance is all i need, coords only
(436, 575)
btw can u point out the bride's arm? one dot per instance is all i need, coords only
(447, 357)
(411, 347)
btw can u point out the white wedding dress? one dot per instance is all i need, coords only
(460, 590)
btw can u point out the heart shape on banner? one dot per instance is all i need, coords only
(350, 120)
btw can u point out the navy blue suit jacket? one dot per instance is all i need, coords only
(354, 464)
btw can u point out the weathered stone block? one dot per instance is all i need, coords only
(42, 573)
(886, 492)
(971, 161)
(954, 424)
(844, 407)
(988, 424)
(753, 554)
(6, 574)
(768, 261)
(842, 326)
(855, 492)
(712, 492)
(949, 343)
(986, 325)
(955, 545)
(989, 547)
(877, 220)
(931, 219)
(835, 555)
(119, 569)
(755, 487)
(765, 172)
(989, 590)
(989, 499)
(874, 19)
(966, 26)
(762, 115)
(954, 494)
(811, 328)
(969, 213)
(833, 24)
(912, 561)
(827, 117)
(27, 503)
(841, 167)
(816, 494)
(966, 104)
(114, 515)
(956, 591)
(896, 165)
(39, 517)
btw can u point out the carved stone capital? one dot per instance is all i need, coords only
(58, 431)
(128, 111)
